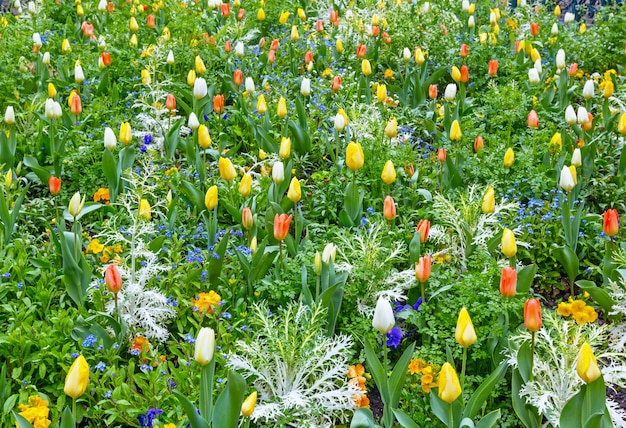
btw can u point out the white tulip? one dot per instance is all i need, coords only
(46, 58)
(383, 320)
(239, 49)
(555, 29)
(110, 140)
(406, 54)
(170, 58)
(199, 88)
(426, 7)
(205, 346)
(560, 59)
(588, 89)
(470, 22)
(576, 157)
(569, 17)
(193, 122)
(567, 181)
(250, 88)
(465, 5)
(102, 5)
(9, 116)
(79, 76)
(533, 76)
(339, 123)
(57, 110)
(31, 8)
(450, 92)
(278, 172)
(37, 40)
(582, 116)
(538, 66)
(570, 115)
(329, 253)
(49, 108)
(305, 87)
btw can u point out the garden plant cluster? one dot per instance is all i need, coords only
(365, 213)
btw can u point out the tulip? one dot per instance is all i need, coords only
(113, 279)
(245, 185)
(294, 33)
(284, 16)
(560, 59)
(329, 253)
(170, 58)
(406, 54)
(218, 103)
(126, 133)
(493, 67)
(464, 74)
(110, 141)
(389, 173)
(509, 247)
(52, 91)
(450, 92)
(533, 76)
(536, 58)
(76, 205)
(508, 281)
(8, 178)
(54, 183)
(509, 158)
(570, 115)
(77, 378)
(588, 90)
(423, 227)
(554, 30)
(340, 121)
(336, 85)
(533, 119)
(448, 382)
(239, 48)
(205, 346)
(610, 224)
(65, 46)
(366, 67)
(432, 91)
(582, 116)
(281, 111)
(381, 92)
(193, 121)
(227, 170)
(247, 219)
(278, 172)
(227, 46)
(145, 210)
(354, 156)
(389, 208)
(170, 102)
(567, 180)
(569, 17)
(383, 320)
(609, 88)
(281, 226)
(576, 157)
(456, 74)
(532, 315)
(260, 14)
(199, 88)
(247, 408)
(423, 268)
(586, 364)
(455, 131)
(534, 29)
(133, 24)
(464, 333)
(557, 11)
(556, 142)
(621, 126)
(361, 50)
(294, 193)
(441, 155)
(211, 197)
(305, 87)
(489, 201)
(391, 129)
(479, 144)
(471, 22)
(76, 106)
(146, 79)
(419, 56)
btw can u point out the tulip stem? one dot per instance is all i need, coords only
(423, 293)
(76, 250)
(463, 368)
(74, 409)
(450, 416)
(532, 354)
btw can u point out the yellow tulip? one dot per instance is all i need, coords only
(79, 10)
(509, 247)
(419, 56)
(489, 201)
(464, 333)
(133, 24)
(534, 55)
(77, 378)
(65, 46)
(52, 91)
(366, 67)
(294, 33)
(260, 15)
(456, 74)
(245, 185)
(482, 37)
(556, 143)
(199, 65)
(284, 16)
(248, 405)
(126, 133)
(281, 111)
(227, 170)
(586, 365)
(391, 130)
(210, 199)
(455, 131)
(354, 156)
(285, 148)
(557, 11)
(609, 88)
(509, 158)
(191, 77)
(8, 178)
(145, 210)
(294, 193)
(204, 137)
(133, 40)
(146, 79)
(261, 106)
(389, 173)
(381, 92)
(301, 14)
(621, 126)
(76, 205)
(339, 45)
(448, 382)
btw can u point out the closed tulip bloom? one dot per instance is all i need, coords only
(493, 67)
(339, 122)
(509, 246)
(533, 119)
(145, 210)
(133, 25)
(295, 35)
(261, 105)
(126, 133)
(582, 116)
(113, 278)
(199, 65)
(366, 67)
(193, 121)
(389, 173)
(464, 333)
(76, 105)
(281, 111)
(361, 50)
(170, 58)
(554, 30)
(199, 88)
(294, 193)
(423, 228)
(621, 126)
(46, 59)
(586, 364)
(170, 102)
(569, 17)
(609, 88)
(423, 268)
(281, 226)
(54, 183)
(204, 137)
(479, 144)
(455, 131)
(247, 408)
(471, 22)
(441, 155)
(110, 141)
(383, 320)
(210, 198)
(336, 85)
(533, 76)
(191, 78)
(52, 91)
(305, 87)
(560, 59)
(588, 125)
(464, 74)
(610, 224)
(77, 378)
(456, 74)
(576, 157)
(205, 346)
(489, 201)
(285, 148)
(330, 253)
(508, 281)
(391, 129)
(450, 92)
(589, 90)
(278, 172)
(354, 156)
(432, 91)
(49, 108)
(245, 185)
(566, 181)
(227, 170)
(419, 56)
(448, 383)
(570, 115)
(146, 79)
(534, 29)
(218, 103)
(260, 14)
(381, 92)
(406, 54)
(239, 48)
(65, 46)
(532, 315)
(389, 208)
(509, 158)
(247, 219)
(76, 205)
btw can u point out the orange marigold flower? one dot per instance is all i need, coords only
(140, 344)
(357, 370)
(205, 302)
(102, 194)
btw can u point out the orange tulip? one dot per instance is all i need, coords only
(271, 56)
(464, 50)
(170, 102)
(534, 29)
(464, 74)
(441, 155)
(589, 124)
(281, 226)
(241, 13)
(113, 279)
(389, 208)
(493, 67)
(218, 104)
(238, 77)
(360, 51)
(55, 185)
(319, 26)
(151, 22)
(308, 57)
(423, 267)
(432, 91)
(225, 10)
(532, 314)
(573, 69)
(274, 45)
(423, 227)
(247, 219)
(611, 222)
(106, 59)
(479, 143)
(533, 119)
(336, 84)
(508, 282)
(76, 107)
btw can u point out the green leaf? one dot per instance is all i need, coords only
(363, 418)
(21, 421)
(571, 413)
(595, 402)
(441, 409)
(525, 278)
(228, 404)
(569, 261)
(476, 401)
(216, 263)
(523, 361)
(398, 375)
(526, 413)
(404, 419)
(10, 403)
(67, 420)
(195, 419)
(489, 420)
(109, 167)
(600, 295)
(377, 371)
(42, 173)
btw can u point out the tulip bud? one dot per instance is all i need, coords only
(278, 172)
(110, 141)
(145, 210)
(247, 219)
(576, 157)
(560, 59)
(588, 90)
(285, 148)
(9, 116)
(610, 225)
(471, 22)
(533, 76)
(260, 14)
(391, 128)
(464, 333)
(210, 198)
(205, 346)
(455, 131)
(133, 40)
(570, 115)
(199, 88)
(406, 54)
(621, 126)
(381, 92)
(450, 92)
(339, 122)
(489, 201)
(586, 364)
(479, 144)
(54, 183)
(305, 87)
(239, 48)
(493, 67)
(226, 168)
(532, 315)
(77, 378)
(389, 173)
(582, 116)
(567, 181)
(126, 133)
(533, 119)
(245, 185)
(354, 156)
(261, 106)
(8, 178)
(456, 74)
(389, 208)
(247, 408)
(294, 193)
(170, 102)
(329, 253)
(191, 78)
(170, 58)
(423, 268)
(294, 33)
(383, 320)
(204, 137)
(366, 67)
(509, 247)
(193, 121)
(508, 282)
(113, 279)
(569, 17)
(281, 110)
(509, 158)
(432, 91)
(441, 155)
(419, 56)
(423, 228)
(448, 383)
(609, 88)
(76, 205)
(317, 263)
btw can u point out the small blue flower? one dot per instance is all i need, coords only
(90, 341)
(100, 366)
(394, 337)
(108, 394)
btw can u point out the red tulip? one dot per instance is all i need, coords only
(238, 77)
(533, 120)
(493, 67)
(534, 29)
(110, 7)
(225, 10)
(508, 282)
(422, 268)
(611, 222)
(113, 279)
(423, 227)
(55, 185)
(151, 21)
(360, 51)
(464, 50)
(281, 226)
(532, 314)
(389, 208)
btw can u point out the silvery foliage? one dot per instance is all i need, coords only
(299, 372)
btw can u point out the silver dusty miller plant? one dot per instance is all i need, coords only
(145, 310)
(299, 372)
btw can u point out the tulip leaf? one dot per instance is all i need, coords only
(193, 195)
(41, 172)
(172, 138)
(195, 419)
(363, 418)
(216, 263)
(467, 422)
(88, 208)
(67, 420)
(378, 372)
(523, 361)
(525, 278)
(600, 295)
(228, 404)
(526, 413)
(489, 420)
(482, 393)
(109, 167)
(595, 402)
(569, 261)
(404, 419)
(441, 409)
(21, 421)
(398, 375)
(622, 162)
(571, 413)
